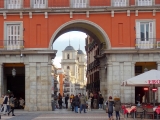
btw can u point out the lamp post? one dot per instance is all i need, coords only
(13, 72)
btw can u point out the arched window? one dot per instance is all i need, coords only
(67, 56)
(68, 67)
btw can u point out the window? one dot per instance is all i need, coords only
(14, 4)
(144, 2)
(39, 4)
(13, 36)
(79, 3)
(119, 3)
(68, 67)
(67, 56)
(144, 34)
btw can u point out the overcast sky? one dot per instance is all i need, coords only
(76, 38)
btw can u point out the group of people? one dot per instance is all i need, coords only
(113, 103)
(78, 101)
(7, 103)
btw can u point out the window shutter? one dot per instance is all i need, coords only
(151, 30)
(138, 30)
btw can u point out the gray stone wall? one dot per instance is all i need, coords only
(37, 80)
(121, 67)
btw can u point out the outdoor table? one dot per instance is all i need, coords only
(129, 110)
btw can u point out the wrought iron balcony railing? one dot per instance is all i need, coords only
(11, 44)
(146, 43)
(43, 4)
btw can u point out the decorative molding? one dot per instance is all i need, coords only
(5, 15)
(87, 14)
(30, 14)
(112, 13)
(128, 12)
(154, 12)
(21, 15)
(46, 14)
(71, 14)
(136, 13)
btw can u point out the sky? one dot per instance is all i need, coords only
(76, 39)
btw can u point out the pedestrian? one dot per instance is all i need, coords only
(71, 100)
(101, 99)
(83, 103)
(138, 99)
(66, 101)
(21, 103)
(5, 102)
(117, 104)
(60, 101)
(12, 104)
(110, 104)
(76, 103)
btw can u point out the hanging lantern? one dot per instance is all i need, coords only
(13, 72)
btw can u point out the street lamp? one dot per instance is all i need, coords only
(13, 72)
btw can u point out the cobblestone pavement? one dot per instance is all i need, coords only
(60, 115)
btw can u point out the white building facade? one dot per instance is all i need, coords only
(74, 64)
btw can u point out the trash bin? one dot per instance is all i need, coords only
(53, 105)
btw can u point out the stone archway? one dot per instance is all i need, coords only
(86, 26)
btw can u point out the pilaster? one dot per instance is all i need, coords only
(158, 93)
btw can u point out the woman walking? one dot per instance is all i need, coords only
(117, 104)
(12, 104)
(110, 104)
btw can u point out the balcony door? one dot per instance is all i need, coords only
(144, 2)
(13, 37)
(119, 3)
(39, 4)
(14, 4)
(79, 3)
(145, 35)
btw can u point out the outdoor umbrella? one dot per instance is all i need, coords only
(148, 78)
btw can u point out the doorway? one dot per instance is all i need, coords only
(14, 84)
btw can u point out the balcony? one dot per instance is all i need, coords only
(55, 89)
(12, 44)
(119, 3)
(144, 2)
(66, 90)
(147, 43)
(76, 4)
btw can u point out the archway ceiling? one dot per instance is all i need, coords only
(86, 28)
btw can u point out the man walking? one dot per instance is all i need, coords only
(66, 101)
(83, 103)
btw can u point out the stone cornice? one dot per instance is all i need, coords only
(89, 9)
(131, 51)
(29, 52)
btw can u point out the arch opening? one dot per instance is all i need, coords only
(88, 27)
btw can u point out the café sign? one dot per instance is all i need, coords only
(153, 81)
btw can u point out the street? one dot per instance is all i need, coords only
(61, 115)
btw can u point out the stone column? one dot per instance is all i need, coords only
(32, 86)
(158, 68)
(49, 86)
(103, 78)
(1, 80)
(133, 88)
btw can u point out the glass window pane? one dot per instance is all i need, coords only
(142, 32)
(147, 31)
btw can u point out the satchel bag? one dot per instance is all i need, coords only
(11, 104)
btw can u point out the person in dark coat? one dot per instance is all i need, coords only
(117, 104)
(110, 104)
(138, 99)
(101, 99)
(60, 101)
(66, 101)
(76, 103)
